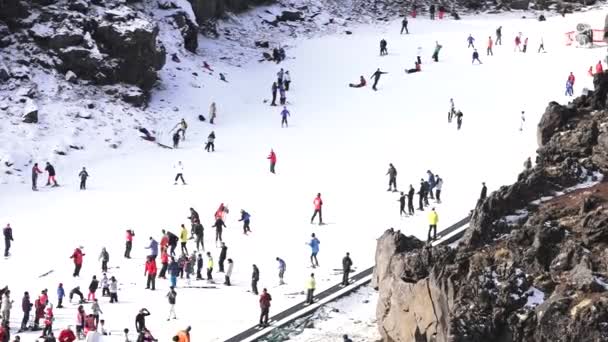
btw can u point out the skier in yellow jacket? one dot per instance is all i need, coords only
(311, 284)
(433, 219)
(183, 238)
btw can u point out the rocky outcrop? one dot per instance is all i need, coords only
(526, 270)
(210, 9)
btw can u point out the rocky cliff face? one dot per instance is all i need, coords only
(532, 266)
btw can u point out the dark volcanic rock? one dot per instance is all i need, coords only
(188, 30)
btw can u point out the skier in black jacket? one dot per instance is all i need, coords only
(83, 178)
(223, 252)
(410, 200)
(347, 263)
(274, 88)
(404, 26)
(402, 204)
(51, 171)
(376, 77)
(199, 233)
(219, 225)
(172, 242)
(392, 178)
(140, 320)
(421, 195)
(8, 237)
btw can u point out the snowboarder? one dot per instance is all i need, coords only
(246, 218)
(219, 226)
(433, 219)
(436, 51)
(183, 239)
(314, 250)
(410, 200)
(255, 277)
(471, 40)
(404, 26)
(318, 203)
(83, 178)
(228, 273)
(376, 76)
(150, 271)
(274, 89)
(77, 256)
(311, 285)
(484, 191)
(476, 57)
(499, 35)
(222, 258)
(104, 256)
(212, 113)
(361, 83)
(282, 269)
(383, 50)
(432, 11)
(140, 320)
(265, 299)
(7, 232)
(51, 172)
(392, 178)
(347, 263)
(93, 286)
(541, 46)
(172, 296)
(523, 119)
(401, 201)
(438, 186)
(210, 142)
(459, 116)
(273, 160)
(35, 172)
(284, 115)
(287, 80)
(129, 243)
(490, 44)
(209, 267)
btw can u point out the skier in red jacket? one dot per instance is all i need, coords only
(318, 202)
(151, 272)
(273, 160)
(265, 299)
(67, 335)
(599, 69)
(77, 256)
(571, 79)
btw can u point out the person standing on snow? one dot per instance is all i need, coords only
(499, 35)
(452, 111)
(421, 195)
(83, 178)
(199, 232)
(228, 273)
(175, 138)
(484, 191)
(282, 269)
(153, 247)
(6, 306)
(222, 258)
(255, 277)
(77, 256)
(280, 76)
(265, 299)
(173, 272)
(404, 26)
(219, 226)
(376, 76)
(438, 186)
(459, 116)
(273, 160)
(246, 218)
(173, 239)
(164, 261)
(314, 250)
(150, 271)
(179, 168)
(105, 285)
(212, 113)
(418, 54)
(569, 88)
(525, 45)
(392, 178)
(274, 89)
(113, 290)
(476, 57)
(517, 43)
(383, 50)
(172, 297)
(542, 45)
(35, 172)
(51, 172)
(433, 219)
(311, 285)
(140, 320)
(284, 114)
(287, 80)
(401, 201)
(471, 41)
(599, 68)
(431, 180)
(436, 51)
(96, 309)
(490, 44)
(93, 286)
(104, 256)
(8, 237)
(347, 263)
(129, 243)
(26, 307)
(410, 200)
(183, 239)
(282, 95)
(318, 203)
(523, 119)
(209, 268)
(210, 143)
(432, 11)
(60, 295)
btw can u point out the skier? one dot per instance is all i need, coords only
(60, 295)
(452, 111)
(431, 181)
(8, 237)
(476, 57)
(392, 178)
(484, 191)
(347, 263)
(459, 116)
(274, 89)
(96, 309)
(284, 115)
(104, 256)
(26, 307)
(441, 12)
(569, 88)
(410, 200)
(209, 267)
(129, 243)
(140, 320)
(542, 45)
(490, 44)
(599, 69)
(282, 269)
(499, 35)
(179, 167)
(287, 80)
(436, 51)
(219, 225)
(150, 271)
(93, 286)
(383, 50)
(228, 273)
(282, 95)
(432, 11)
(517, 43)
(223, 78)
(525, 45)
(273, 160)
(418, 54)
(83, 178)
(311, 284)
(433, 219)
(255, 277)
(401, 201)
(314, 250)
(173, 271)
(113, 290)
(77, 256)
(172, 296)
(265, 299)
(404, 26)
(438, 186)
(415, 69)
(153, 247)
(421, 195)
(222, 258)
(212, 113)
(361, 83)
(246, 218)
(376, 76)
(318, 203)
(210, 142)
(35, 172)
(105, 286)
(471, 40)
(51, 171)
(175, 139)
(523, 119)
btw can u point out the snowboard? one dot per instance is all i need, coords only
(46, 274)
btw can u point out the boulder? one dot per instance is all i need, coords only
(71, 77)
(553, 120)
(290, 16)
(81, 6)
(4, 72)
(262, 44)
(134, 96)
(166, 4)
(188, 29)
(520, 5)
(30, 112)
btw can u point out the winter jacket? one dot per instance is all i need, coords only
(114, 286)
(244, 216)
(199, 229)
(8, 233)
(211, 137)
(50, 169)
(172, 238)
(153, 247)
(392, 172)
(150, 267)
(287, 77)
(282, 265)
(179, 168)
(140, 320)
(209, 262)
(223, 253)
(172, 296)
(174, 269)
(599, 69)
(26, 304)
(431, 180)
(94, 285)
(318, 202)
(439, 183)
(470, 39)
(346, 263)
(77, 256)
(265, 299)
(314, 245)
(410, 195)
(60, 292)
(130, 235)
(571, 79)
(219, 223)
(96, 309)
(272, 157)
(164, 257)
(164, 241)
(212, 109)
(229, 269)
(490, 43)
(183, 336)
(433, 218)
(475, 55)
(104, 282)
(66, 335)
(183, 235)
(104, 255)
(285, 113)
(83, 175)
(256, 274)
(311, 284)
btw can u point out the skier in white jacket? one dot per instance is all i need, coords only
(179, 169)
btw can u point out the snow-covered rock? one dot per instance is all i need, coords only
(30, 112)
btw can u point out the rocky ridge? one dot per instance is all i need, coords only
(532, 265)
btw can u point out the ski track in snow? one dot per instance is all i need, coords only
(339, 143)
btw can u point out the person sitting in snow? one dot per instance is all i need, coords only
(206, 66)
(223, 78)
(361, 83)
(416, 68)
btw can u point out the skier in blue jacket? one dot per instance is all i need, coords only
(60, 295)
(569, 88)
(153, 247)
(282, 268)
(173, 272)
(432, 183)
(314, 247)
(245, 217)
(470, 39)
(284, 115)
